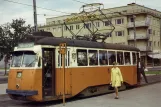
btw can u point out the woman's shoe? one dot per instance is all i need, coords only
(116, 97)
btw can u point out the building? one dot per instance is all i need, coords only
(147, 28)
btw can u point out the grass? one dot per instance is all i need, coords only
(153, 72)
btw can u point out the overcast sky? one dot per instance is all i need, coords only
(10, 10)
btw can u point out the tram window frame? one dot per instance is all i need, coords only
(103, 59)
(93, 61)
(118, 53)
(127, 58)
(111, 61)
(84, 62)
(134, 58)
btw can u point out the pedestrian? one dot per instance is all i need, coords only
(116, 78)
(140, 70)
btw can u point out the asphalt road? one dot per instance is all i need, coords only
(147, 96)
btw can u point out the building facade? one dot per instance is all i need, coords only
(132, 24)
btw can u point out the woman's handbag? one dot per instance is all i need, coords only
(110, 87)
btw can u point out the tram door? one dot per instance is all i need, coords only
(48, 77)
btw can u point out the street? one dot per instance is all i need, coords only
(147, 96)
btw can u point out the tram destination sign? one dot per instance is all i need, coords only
(25, 45)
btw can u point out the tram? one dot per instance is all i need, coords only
(36, 69)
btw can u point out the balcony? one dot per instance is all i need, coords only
(139, 37)
(145, 48)
(138, 24)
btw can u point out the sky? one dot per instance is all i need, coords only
(10, 10)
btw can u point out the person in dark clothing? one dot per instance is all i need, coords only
(140, 70)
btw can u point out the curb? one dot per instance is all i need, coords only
(3, 95)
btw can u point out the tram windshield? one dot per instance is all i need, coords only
(23, 59)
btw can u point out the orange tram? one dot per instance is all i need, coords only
(36, 69)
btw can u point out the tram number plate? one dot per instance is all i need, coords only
(19, 74)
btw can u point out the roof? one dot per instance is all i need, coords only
(83, 43)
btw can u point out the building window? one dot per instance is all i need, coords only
(158, 33)
(48, 29)
(58, 21)
(53, 22)
(153, 32)
(131, 19)
(150, 43)
(158, 43)
(119, 21)
(71, 27)
(59, 29)
(77, 26)
(54, 29)
(65, 28)
(87, 25)
(154, 43)
(97, 24)
(108, 34)
(107, 23)
(150, 31)
(119, 33)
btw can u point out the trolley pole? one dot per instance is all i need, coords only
(35, 15)
(62, 51)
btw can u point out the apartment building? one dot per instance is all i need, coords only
(120, 24)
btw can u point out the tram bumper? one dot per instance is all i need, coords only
(22, 92)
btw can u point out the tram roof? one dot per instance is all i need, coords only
(83, 43)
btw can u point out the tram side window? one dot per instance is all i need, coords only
(82, 57)
(111, 57)
(127, 58)
(67, 59)
(93, 57)
(138, 56)
(59, 60)
(103, 60)
(120, 59)
(134, 58)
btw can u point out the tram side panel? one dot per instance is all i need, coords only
(89, 76)
(95, 76)
(129, 74)
(59, 81)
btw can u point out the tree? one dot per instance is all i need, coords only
(11, 34)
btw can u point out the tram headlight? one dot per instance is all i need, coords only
(19, 74)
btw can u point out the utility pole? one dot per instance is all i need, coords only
(135, 44)
(35, 15)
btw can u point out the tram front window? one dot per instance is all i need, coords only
(24, 59)
(16, 59)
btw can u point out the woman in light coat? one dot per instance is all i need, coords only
(116, 78)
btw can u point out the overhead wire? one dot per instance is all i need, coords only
(47, 8)
(36, 6)
(79, 1)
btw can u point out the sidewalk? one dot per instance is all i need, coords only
(3, 88)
